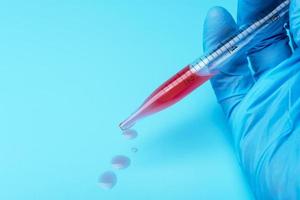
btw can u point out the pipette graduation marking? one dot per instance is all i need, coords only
(194, 75)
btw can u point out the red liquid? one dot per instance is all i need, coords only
(184, 82)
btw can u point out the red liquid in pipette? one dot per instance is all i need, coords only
(173, 90)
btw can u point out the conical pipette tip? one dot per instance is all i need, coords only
(130, 121)
(126, 124)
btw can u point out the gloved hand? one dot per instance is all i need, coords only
(260, 95)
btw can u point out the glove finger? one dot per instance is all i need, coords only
(233, 80)
(295, 21)
(274, 45)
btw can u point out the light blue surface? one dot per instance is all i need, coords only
(70, 71)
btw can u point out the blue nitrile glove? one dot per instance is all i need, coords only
(260, 95)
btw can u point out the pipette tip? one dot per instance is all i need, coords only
(126, 124)
(129, 122)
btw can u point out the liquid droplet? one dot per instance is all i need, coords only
(108, 180)
(130, 134)
(120, 162)
(134, 150)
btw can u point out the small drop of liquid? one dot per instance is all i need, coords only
(130, 134)
(120, 162)
(134, 150)
(108, 180)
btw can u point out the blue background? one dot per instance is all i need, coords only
(70, 71)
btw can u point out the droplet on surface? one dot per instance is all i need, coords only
(134, 150)
(108, 180)
(120, 162)
(130, 134)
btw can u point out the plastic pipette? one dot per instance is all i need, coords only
(195, 74)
